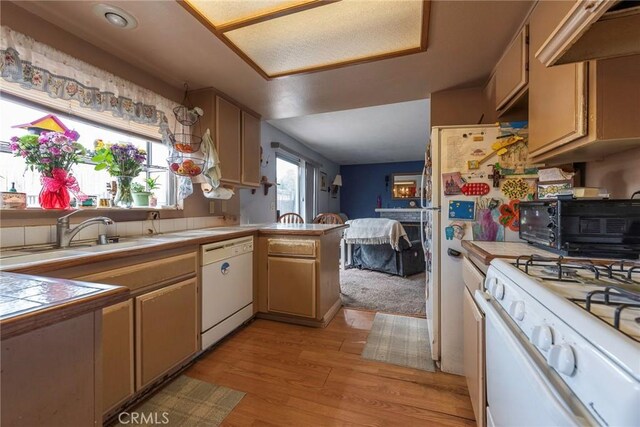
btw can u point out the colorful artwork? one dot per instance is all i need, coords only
(475, 189)
(462, 210)
(551, 191)
(452, 183)
(510, 215)
(448, 232)
(487, 227)
(516, 188)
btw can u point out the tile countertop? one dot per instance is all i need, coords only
(31, 302)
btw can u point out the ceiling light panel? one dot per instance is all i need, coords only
(224, 12)
(337, 33)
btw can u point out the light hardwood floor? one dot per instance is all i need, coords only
(300, 376)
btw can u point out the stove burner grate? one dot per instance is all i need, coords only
(568, 270)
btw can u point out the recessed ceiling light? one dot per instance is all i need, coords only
(115, 16)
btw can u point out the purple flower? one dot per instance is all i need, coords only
(14, 145)
(72, 135)
(14, 139)
(24, 153)
(45, 160)
(67, 149)
(55, 151)
(43, 138)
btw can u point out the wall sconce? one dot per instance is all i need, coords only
(337, 183)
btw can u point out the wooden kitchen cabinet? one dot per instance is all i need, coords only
(511, 75)
(558, 95)
(228, 140)
(250, 150)
(579, 112)
(292, 286)
(117, 354)
(166, 328)
(236, 133)
(298, 277)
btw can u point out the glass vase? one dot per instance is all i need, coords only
(58, 199)
(124, 198)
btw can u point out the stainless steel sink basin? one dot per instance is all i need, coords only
(122, 244)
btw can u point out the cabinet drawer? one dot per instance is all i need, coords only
(146, 273)
(298, 248)
(473, 278)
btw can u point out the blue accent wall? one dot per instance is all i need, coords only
(361, 185)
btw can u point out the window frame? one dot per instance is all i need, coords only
(148, 168)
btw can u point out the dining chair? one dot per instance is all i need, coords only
(290, 218)
(328, 218)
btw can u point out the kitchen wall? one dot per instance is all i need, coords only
(618, 173)
(27, 23)
(361, 185)
(257, 208)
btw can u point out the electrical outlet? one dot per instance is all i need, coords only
(153, 215)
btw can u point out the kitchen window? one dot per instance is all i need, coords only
(15, 111)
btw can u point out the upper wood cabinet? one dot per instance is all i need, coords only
(584, 111)
(512, 76)
(557, 96)
(593, 30)
(250, 150)
(228, 140)
(237, 137)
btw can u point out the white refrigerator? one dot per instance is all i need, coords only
(452, 149)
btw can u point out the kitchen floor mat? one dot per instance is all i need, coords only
(400, 340)
(186, 402)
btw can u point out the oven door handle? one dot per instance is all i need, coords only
(573, 412)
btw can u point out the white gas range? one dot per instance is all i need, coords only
(562, 342)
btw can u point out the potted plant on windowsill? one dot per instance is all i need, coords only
(152, 184)
(140, 194)
(124, 161)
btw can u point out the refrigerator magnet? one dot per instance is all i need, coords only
(462, 210)
(452, 183)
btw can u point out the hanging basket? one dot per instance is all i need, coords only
(185, 142)
(187, 116)
(185, 166)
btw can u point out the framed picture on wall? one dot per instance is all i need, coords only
(323, 182)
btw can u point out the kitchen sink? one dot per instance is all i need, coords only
(16, 257)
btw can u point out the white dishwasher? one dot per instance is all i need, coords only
(227, 287)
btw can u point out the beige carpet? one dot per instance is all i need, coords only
(382, 292)
(400, 340)
(186, 402)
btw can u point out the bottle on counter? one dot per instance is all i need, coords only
(379, 202)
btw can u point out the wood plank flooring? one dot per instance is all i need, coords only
(298, 376)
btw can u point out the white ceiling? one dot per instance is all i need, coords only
(385, 133)
(466, 39)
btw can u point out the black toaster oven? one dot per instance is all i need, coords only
(594, 228)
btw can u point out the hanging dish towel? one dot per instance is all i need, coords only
(211, 188)
(211, 172)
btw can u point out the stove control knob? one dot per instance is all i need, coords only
(497, 290)
(516, 310)
(562, 359)
(542, 337)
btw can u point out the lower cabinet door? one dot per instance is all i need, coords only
(117, 354)
(292, 286)
(166, 328)
(474, 358)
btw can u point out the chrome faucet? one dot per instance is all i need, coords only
(64, 234)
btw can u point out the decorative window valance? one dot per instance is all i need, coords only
(37, 66)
